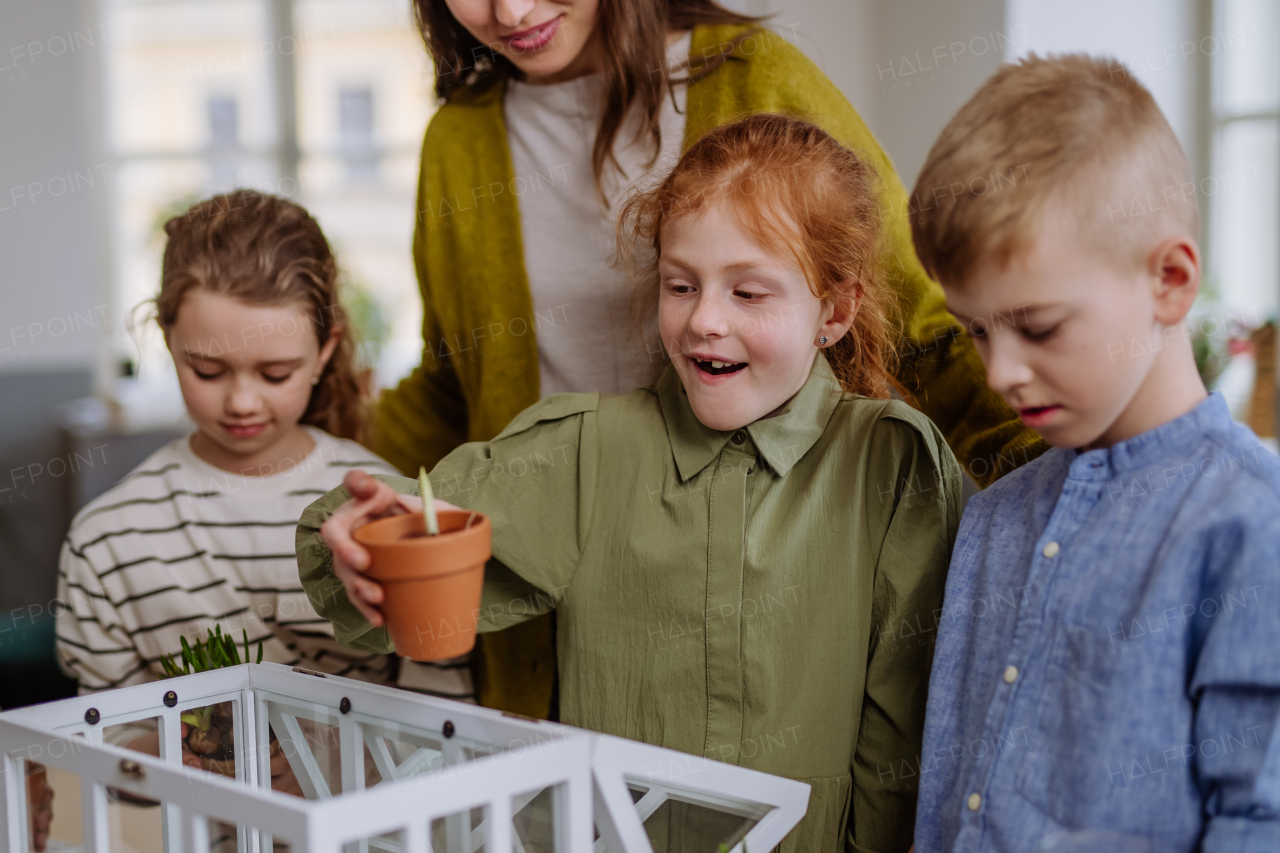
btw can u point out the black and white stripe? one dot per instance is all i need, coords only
(178, 547)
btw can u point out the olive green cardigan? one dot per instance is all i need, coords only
(480, 356)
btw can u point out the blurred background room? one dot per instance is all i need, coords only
(116, 114)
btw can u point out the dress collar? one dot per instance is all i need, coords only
(782, 439)
(1209, 416)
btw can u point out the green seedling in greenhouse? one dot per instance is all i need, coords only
(215, 651)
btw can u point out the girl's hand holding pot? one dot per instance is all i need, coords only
(370, 500)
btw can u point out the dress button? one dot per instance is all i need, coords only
(1051, 550)
(974, 802)
(739, 437)
(1010, 674)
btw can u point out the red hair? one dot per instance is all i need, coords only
(800, 193)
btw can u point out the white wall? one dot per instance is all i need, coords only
(53, 288)
(905, 65)
(838, 35)
(908, 65)
(1156, 39)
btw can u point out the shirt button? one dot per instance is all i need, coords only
(1010, 674)
(1051, 550)
(974, 802)
(739, 437)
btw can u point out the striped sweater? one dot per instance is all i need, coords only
(179, 546)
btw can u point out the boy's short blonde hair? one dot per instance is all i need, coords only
(1070, 131)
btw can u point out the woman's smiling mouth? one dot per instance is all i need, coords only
(534, 38)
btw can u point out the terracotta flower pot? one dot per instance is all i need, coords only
(432, 583)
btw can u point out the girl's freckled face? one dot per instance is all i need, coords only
(739, 322)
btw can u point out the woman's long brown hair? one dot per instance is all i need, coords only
(264, 250)
(633, 35)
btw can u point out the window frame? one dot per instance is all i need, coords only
(1214, 120)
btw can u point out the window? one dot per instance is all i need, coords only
(1243, 187)
(323, 102)
(224, 133)
(223, 124)
(1240, 200)
(355, 132)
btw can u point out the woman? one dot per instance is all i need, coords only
(553, 109)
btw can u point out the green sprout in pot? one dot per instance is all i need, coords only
(430, 521)
(210, 731)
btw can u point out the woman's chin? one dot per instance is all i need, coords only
(543, 66)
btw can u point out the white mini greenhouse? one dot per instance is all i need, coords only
(380, 770)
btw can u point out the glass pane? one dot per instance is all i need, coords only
(208, 734)
(683, 821)
(306, 747)
(1244, 191)
(53, 807)
(679, 827)
(534, 819)
(392, 752)
(270, 844)
(1247, 49)
(306, 759)
(140, 735)
(135, 825)
(223, 838)
(364, 96)
(392, 842)
(463, 832)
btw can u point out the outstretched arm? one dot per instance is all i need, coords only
(331, 565)
(538, 519)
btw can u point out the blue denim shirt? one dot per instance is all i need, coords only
(1108, 655)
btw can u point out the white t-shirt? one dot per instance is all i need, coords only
(586, 336)
(179, 546)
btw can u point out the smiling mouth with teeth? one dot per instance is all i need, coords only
(717, 368)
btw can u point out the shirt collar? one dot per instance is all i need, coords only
(1209, 416)
(782, 439)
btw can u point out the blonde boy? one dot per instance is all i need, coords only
(1108, 659)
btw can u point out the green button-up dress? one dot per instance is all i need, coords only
(764, 597)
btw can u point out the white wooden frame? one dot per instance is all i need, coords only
(473, 758)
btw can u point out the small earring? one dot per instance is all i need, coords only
(315, 380)
(822, 341)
